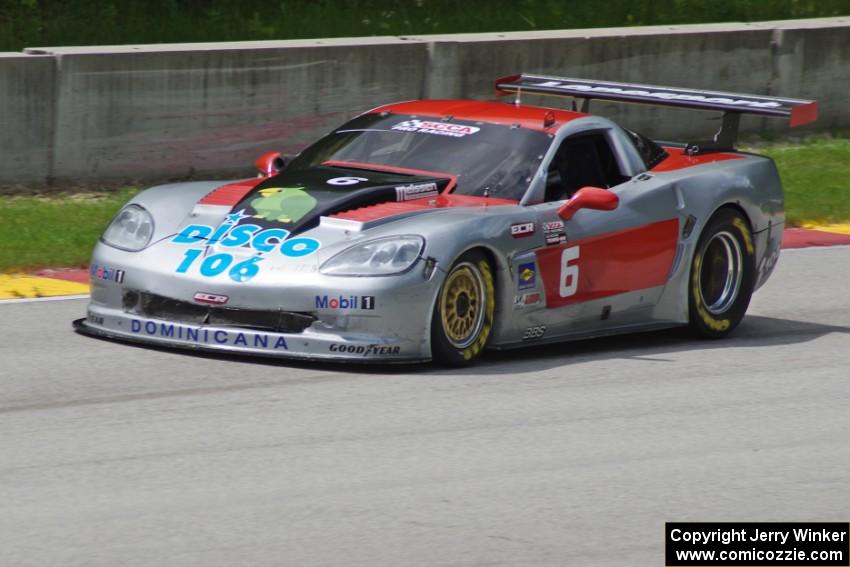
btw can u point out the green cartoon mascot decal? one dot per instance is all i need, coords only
(283, 204)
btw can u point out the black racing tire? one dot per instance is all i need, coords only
(722, 275)
(463, 313)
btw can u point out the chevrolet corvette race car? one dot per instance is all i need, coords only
(437, 229)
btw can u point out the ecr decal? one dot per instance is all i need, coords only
(437, 128)
(211, 298)
(523, 229)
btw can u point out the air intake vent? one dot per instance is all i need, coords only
(159, 307)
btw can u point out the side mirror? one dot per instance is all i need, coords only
(270, 163)
(589, 198)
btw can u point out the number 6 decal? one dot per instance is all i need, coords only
(569, 272)
(346, 180)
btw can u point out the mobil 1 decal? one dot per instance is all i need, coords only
(245, 232)
(608, 264)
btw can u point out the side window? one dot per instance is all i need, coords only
(651, 153)
(582, 160)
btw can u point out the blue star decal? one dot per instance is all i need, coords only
(236, 217)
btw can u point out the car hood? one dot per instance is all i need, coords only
(295, 200)
(275, 220)
(291, 221)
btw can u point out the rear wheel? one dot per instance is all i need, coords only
(463, 315)
(722, 275)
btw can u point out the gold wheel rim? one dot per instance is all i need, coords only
(462, 305)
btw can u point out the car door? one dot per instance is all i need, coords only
(598, 269)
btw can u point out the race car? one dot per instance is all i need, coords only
(437, 229)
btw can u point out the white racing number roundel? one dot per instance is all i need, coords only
(346, 180)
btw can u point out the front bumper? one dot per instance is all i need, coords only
(393, 326)
(116, 324)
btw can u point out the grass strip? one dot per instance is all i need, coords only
(61, 230)
(56, 230)
(816, 178)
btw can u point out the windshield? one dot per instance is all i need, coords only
(488, 159)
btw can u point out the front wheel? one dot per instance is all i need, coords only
(722, 275)
(463, 314)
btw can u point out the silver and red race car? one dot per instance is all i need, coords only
(438, 229)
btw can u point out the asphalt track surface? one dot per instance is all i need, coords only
(573, 454)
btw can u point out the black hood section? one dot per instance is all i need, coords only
(294, 200)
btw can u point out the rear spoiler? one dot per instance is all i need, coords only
(732, 105)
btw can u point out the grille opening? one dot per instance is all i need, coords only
(159, 307)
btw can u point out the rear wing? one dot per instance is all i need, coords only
(732, 105)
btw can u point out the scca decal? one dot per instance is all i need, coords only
(438, 128)
(553, 232)
(230, 234)
(608, 264)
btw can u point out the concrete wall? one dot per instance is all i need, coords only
(168, 111)
(27, 100)
(171, 113)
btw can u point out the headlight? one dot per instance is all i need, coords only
(379, 257)
(131, 229)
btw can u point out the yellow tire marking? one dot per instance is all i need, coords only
(19, 286)
(745, 232)
(718, 325)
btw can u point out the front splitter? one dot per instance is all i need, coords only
(248, 342)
